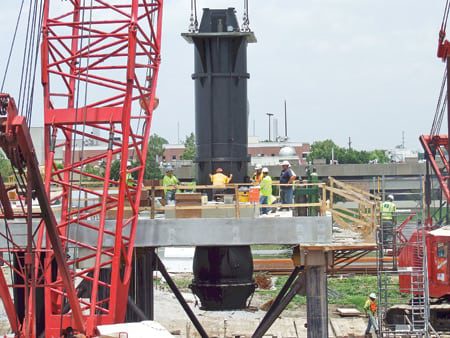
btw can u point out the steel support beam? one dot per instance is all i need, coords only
(316, 301)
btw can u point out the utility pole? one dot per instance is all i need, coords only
(270, 115)
(349, 143)
(285, 120)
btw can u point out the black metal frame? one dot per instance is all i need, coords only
(292, 287)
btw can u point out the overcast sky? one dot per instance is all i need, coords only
(365, 69)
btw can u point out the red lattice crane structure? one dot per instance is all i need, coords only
(100, 62)
(435, 145)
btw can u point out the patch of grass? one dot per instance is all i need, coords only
(345, 291)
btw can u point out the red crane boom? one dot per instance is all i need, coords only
(100, 62)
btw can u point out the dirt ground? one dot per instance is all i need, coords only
(291, 323)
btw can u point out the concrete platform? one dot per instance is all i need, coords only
(222, 231)
(209, 232)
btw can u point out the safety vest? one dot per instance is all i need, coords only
(266, 186)
(219, 179)
(129, 178)
(370, 305)
(258, 178)
(387, 211)
(168, 181)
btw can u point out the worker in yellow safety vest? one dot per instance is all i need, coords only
(219, 180)
(370, 307)
(388, 220)
(170, 182)
(129, 177)
(258, 175)
(265, 190)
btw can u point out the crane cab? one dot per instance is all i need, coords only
(438, 254)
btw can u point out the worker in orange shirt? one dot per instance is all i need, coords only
(219, 180)
(258, 175)
(370, 307)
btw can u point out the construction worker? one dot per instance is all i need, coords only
(388, 220)
(129, 176)
(170, 185)
(370, 307)
(265, 190)
(287, 176)
(314, 176)
(258, 175)
(313, 197)
(219, 180)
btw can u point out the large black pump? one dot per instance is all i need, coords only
(223, 276)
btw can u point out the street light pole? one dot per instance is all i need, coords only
(270, 115)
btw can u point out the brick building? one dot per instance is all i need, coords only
(264, 153)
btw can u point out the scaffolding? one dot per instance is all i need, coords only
(404, 312)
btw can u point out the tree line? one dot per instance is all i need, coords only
(329, 150)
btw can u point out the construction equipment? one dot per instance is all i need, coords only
(100, 62)
(411, 279)
(424, 257)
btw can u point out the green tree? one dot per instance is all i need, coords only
(5, 166)
(154, 155)
(115, 170)
(190, 150)
(324, 149)
(93, 170)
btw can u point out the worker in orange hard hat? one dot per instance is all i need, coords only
(219, 180)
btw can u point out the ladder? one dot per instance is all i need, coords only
(416, 319)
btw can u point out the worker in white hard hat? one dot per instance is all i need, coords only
(170, 182)
(258, 175)
(287, 178)
(370, 307)
(129, 177)
(388, 221)
(265, 192)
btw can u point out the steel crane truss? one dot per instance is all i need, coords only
(21, 237)
(435, 147)
(100, 63)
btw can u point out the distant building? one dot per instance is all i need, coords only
(264, 153)
(400, 154)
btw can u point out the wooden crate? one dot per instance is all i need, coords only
(188, 200)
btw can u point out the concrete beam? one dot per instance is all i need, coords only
(224, 231)
(209, 232)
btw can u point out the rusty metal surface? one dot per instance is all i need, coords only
(284, 266)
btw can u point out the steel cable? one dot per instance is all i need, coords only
(440, 107)
(445, 16)
(12, 46)
(25, 56)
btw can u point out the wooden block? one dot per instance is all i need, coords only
(348, 312)
(12, 195)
